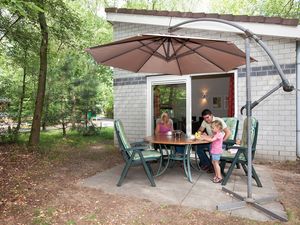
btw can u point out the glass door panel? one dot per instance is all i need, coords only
(170, 98)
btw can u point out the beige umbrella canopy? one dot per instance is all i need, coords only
(169, 54)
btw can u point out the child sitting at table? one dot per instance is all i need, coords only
(216, 148)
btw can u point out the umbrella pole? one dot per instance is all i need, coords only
(249, 114)
(243, 201)
(256, 203)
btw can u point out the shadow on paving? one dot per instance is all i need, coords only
(173, 188)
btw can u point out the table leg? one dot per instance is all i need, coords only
(160, 172)
(186, 162)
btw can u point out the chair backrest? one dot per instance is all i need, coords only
(254, 134)
(122, 139)
(232, 124)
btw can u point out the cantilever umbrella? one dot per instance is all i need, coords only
(169, 54)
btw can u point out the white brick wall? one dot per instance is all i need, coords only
(130, 107)
(276, 114)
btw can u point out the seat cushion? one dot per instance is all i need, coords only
(226, 155)
(148, 155)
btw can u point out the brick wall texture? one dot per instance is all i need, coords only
(276, 114)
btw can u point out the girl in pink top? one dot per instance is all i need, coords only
(216, 148)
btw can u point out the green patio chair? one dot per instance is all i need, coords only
(137, 155)
(233, 125)
(241, 156)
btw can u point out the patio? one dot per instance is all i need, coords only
(173, 188)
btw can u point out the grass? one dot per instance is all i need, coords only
(52, 143)
(43, 217)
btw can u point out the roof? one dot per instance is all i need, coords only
(230, 17)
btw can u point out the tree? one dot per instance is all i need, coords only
(62, 64)
(282, 8)
(36, 122)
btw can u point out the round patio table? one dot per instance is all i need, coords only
(173, 141)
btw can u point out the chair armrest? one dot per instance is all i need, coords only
(137, 148)
(229, 142)
(139, 143)
(234, 155)
(239, 148)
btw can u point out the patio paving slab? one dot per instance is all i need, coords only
(173, 188)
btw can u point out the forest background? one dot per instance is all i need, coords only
(46, 77)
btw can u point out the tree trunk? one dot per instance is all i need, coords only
(22, 94)
(73, 112)
(64, 128)
(45, 117)
(63, 113)
(36, 123)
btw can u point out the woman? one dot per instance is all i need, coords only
(164, 125)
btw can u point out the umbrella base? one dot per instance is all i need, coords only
(244, 202)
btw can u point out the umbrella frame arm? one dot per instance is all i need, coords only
(255, 103)
(285, 83)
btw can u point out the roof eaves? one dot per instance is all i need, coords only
(229, 17)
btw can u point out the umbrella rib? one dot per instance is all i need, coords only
(153, 52)
(194, 50)
(178, 64)
(121, 42)
(231, 53)
(159, 55)
(130, 50)
(148, 58)
(182, 44)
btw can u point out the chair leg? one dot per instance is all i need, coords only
(229, 172)
(222, 166)
(147, 170)
(256, 178)
(162, 168)
(254, 175)
(245, 168)
(150, 168)
(124, 172)
(149, 175)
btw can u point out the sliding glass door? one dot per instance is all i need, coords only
(169, 94)
(170, 98)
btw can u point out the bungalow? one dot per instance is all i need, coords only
(140, 98)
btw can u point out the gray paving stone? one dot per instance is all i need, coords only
(173, 188)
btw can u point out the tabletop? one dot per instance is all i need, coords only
(171, 140)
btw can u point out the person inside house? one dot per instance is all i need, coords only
(208, 118)
(164, 125)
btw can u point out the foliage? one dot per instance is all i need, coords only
(7, 135)
(52, 142)
(88, 130)
(171, 5)
(75, 84)
(282, 8)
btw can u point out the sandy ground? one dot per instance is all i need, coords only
(36, 191)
